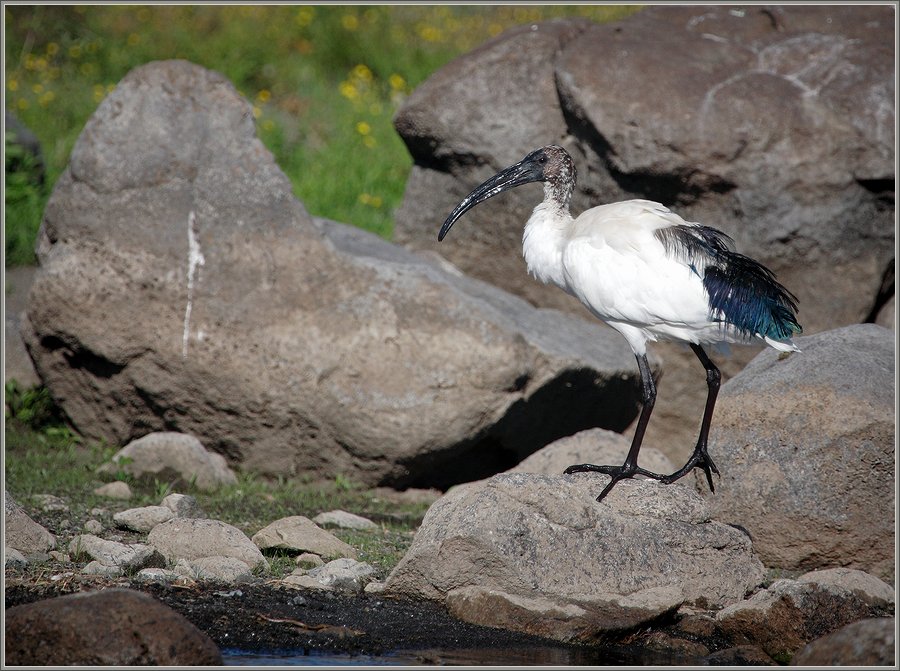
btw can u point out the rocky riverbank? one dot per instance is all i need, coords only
(220, 580)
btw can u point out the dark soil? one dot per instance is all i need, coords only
(264, 619)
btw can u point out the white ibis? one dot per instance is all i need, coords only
(650, 275)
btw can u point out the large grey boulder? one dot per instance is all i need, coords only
(805, 444)
(747, 119)
(183, 288)
(591, 446)
(537, 553)
(743, 118)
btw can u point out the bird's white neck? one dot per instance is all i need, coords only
(543, 241)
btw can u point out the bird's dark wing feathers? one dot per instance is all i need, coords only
(742, 292)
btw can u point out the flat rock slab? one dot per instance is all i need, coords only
(113, 627)
(344, 520)
(143, 519)
(300, 534)
(519, 543)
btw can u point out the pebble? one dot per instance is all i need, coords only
(93, 527)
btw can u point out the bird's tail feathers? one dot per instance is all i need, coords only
(781, 345)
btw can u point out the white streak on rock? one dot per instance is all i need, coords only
(195, 259)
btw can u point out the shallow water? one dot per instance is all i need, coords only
(526, 656)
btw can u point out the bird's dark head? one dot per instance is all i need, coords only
(551, 164)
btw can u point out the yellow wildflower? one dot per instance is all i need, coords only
(363, 128)
(349, 91)
(397, 82)
(350, 22)
(304, 15)
(362, 72)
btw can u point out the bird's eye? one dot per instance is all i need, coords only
(542, 159)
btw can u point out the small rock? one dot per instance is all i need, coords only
(59, 556)
(94, 567)
(374, 587)
(215, 569)
(301, 580)
(143, 519)
(169, 455)
(15, 559)
(93, 527)
(184, 505)
(344, 520)
(188, 538)
(49, 503)
(115, 490)
(301, 534)
(127, 557)
(869, 642)
(99, 512)
(308, 560)
(346, 575)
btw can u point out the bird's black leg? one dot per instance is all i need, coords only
(629, 468)
(700, 458)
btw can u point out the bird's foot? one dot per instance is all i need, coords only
(615, 472)
(699, 459)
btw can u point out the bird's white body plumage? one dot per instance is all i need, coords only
(609, 259)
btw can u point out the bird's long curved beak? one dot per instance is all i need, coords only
(523, 172)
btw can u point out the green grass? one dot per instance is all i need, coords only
(325, 82)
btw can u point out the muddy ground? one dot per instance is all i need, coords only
(267, 620)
